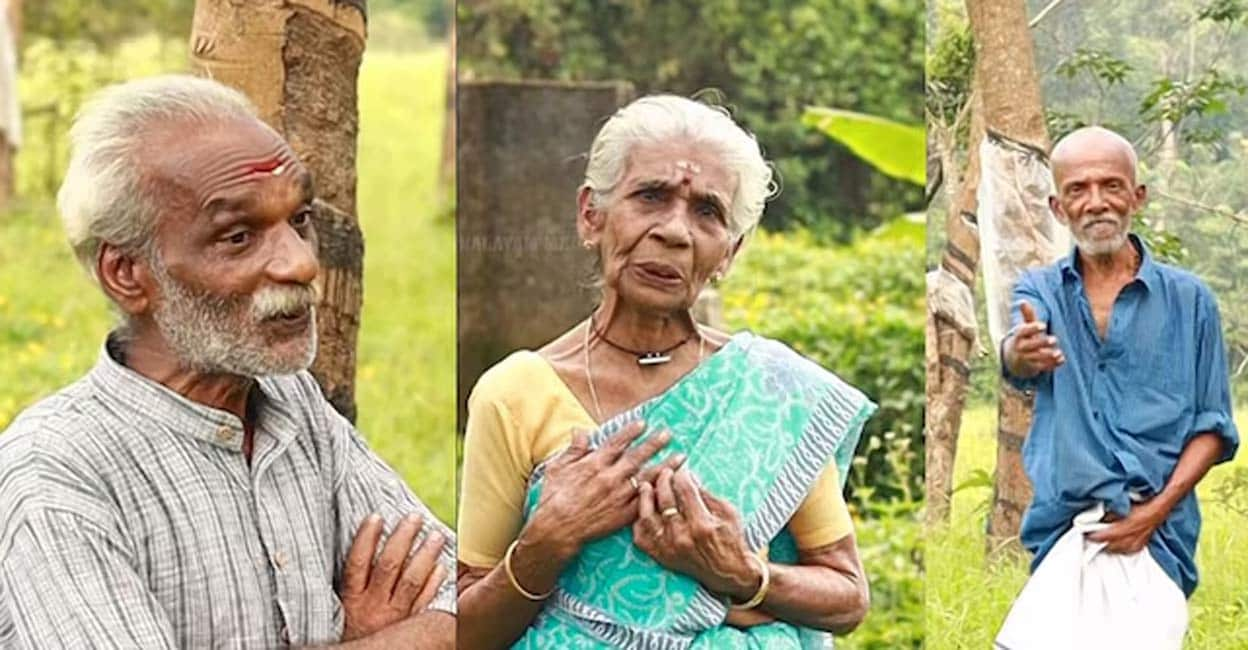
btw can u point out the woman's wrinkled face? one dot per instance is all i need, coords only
(664, 230)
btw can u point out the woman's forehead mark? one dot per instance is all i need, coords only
(686, 170)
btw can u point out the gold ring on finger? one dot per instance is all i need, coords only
(668, 513)
(636, 485)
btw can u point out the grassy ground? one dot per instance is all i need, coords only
(967, 599)
(53, 320)
(406, 389)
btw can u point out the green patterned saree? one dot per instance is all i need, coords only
(759, 423)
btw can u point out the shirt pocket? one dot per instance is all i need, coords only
(1154, 398)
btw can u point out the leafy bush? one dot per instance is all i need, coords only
(857, 310)
(770, 60)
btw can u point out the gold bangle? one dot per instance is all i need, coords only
(514, 583)
(762, 588)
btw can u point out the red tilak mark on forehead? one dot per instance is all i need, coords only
(265, 166)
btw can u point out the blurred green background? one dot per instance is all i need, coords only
(53, 319)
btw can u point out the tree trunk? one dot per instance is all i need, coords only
(1013, 108)
(298, 61)
(8, 151)
(951, 338)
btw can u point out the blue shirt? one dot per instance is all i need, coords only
(1114, 418)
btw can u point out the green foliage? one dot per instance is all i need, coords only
(1172, 100)
(857, 310)
(891, 147)
(890, 542)
(434, 15)
(105, 25)
(57, 77)
(768, 59)
(1223, 11)
(950, 67)
(1099, 64)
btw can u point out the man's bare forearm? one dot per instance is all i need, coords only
(1200, 453)
(428, 630)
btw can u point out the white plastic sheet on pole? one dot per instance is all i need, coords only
(10, 111)
(1017, 231)
(1082, 597)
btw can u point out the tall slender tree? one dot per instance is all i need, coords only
(299, 61)
(1013, 108)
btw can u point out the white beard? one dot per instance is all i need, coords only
(1104, 246)
(223, 334)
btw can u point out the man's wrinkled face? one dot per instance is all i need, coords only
(1096, 194)
(236, 251)
(665, 230)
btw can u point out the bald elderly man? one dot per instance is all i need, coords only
(195, 489)
(1126, 359)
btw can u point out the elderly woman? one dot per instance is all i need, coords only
(643, 481)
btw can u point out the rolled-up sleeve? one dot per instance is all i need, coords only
(1024, 290)
(364, 485)
(67, 583)
(1213, 390)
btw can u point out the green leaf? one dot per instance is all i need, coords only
(978, 478)
(895, 149)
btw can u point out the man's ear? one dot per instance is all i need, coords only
(1056, 207)
(589, 220)
(126, 279)
(1141, 196)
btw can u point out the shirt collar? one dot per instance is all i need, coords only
(128, 390)
(1147, 274)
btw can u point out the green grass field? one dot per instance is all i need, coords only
(967, 598)
(53, 319)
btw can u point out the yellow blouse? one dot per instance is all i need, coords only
(519, 414)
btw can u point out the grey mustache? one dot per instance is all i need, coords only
(283, 301)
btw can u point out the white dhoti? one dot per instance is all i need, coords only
(1082, 597)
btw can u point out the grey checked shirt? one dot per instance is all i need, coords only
(131, 519)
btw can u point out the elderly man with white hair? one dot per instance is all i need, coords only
(195, 489)
(1126, 359)
(644, 481)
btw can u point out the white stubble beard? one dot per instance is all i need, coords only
(222, 334)
(1103, 247)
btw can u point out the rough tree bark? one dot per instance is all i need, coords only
(299, 61)
(950, 331)
(1013, 107)
(13, 14)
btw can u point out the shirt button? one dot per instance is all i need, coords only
(225, 435)
(280, 559)
(1100, 366)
